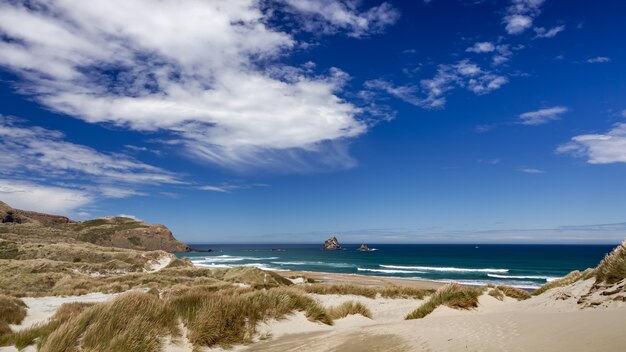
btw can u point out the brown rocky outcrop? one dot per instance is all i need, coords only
(331, 244)
(118, 232)
(363, 248)
(16, 216)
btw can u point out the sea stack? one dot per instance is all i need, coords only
(331, 244)
(364, 248)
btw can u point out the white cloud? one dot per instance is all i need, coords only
(548, 33)
(481, 47)
(542, 116)
(45, 199)
(520, 15)
(531, 171)
(598, 60)
(44, 152)
(203, 71)
(606, 148)
(329, 16)
(503, 54)
(431, 92)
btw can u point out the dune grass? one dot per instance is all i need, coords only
(613, 267)
(452, 295)
(366, 291)
(12, 311)
(496, 293)
(136, 321)
(514, 292)
(40, 332)
(349, 308)
(568, 279)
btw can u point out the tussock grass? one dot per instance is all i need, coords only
(366, 291)
(12, 311)
(230, 317)
(137, 321)
(613, 267)
(514, 292)
(41, 332)
(496, 293)
(349, 308)
(568, 279)
(404, 292)
(333, 289)
(132, 322)
(452, 295)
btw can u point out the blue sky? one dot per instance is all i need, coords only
(449, 121)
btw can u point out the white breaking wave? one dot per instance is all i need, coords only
(531, 277)
(335, 265)
(448, 269)
(226, 259)
(523, 285)
(213, 265)
(392, 271)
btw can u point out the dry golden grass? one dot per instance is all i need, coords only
(131, 322)
(452, 295)
(12, 311)
(230, 317)
(349, 308)
(40, 332)
(514, 292)
(496, 293)
(366, 291)
(138, 321)
(613, 267)
(568, 279)
(334, 289)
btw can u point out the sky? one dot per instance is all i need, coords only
(440, 121)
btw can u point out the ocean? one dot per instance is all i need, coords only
(523, 266)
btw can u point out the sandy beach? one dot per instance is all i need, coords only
(365, 280)
(553, 321)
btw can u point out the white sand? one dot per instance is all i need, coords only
(541, 323)
(40, 309)
(161, 263)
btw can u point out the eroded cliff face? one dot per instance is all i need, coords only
(121, 232)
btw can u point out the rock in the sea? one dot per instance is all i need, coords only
(331, 244)
(364, 248)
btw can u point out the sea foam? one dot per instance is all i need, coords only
(446, 269)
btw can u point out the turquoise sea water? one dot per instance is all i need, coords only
(526, 266)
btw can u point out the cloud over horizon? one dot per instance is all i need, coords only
(215, 86)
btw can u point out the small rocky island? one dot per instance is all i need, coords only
(364, 248)
(331, 244)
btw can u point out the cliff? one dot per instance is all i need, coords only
(118, 232)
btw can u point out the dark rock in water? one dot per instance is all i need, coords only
(331, 244)
(364, 248)
(196, 250)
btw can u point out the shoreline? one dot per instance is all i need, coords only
(365, 280)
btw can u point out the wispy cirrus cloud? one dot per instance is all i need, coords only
(541, 32)
(531, 170)
(598, 60)
(331, 16)
(542, 116)
(207, 74)
(38, 161)
(44, 152)
(45, 199)
(601, 148)
(431, 92)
